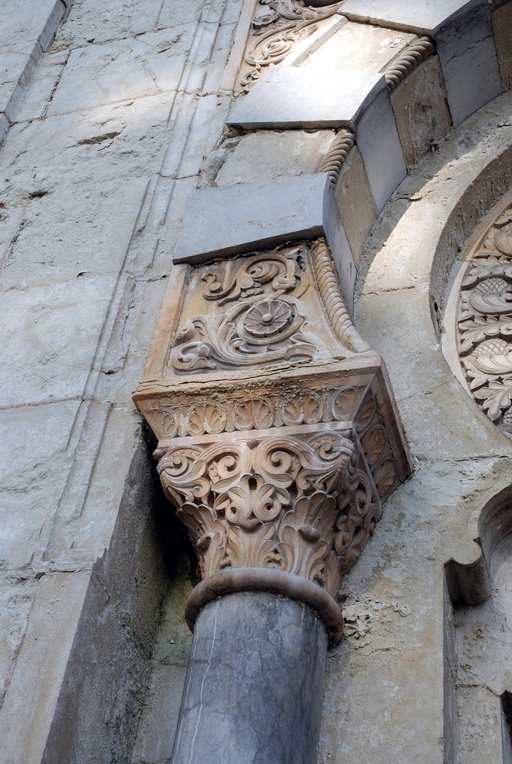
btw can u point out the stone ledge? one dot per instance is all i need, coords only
(420, 16)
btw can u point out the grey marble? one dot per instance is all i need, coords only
(420, 16)
(310, 98)
(381, 152)
(227, 220)
(254, 687)
(469, 63)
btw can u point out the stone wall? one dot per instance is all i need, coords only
(113, 115)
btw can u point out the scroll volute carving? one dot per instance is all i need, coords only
(277, 26)
(278, 439)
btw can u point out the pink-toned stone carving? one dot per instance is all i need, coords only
(485, 323)
(275, 30)
(278, 440)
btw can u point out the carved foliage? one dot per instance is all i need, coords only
(256, 311)
(259, 317)
(276, 29)
(303, 505)
(485, 323)
(258, 412)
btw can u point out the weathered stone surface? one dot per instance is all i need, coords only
(469, 63)
(502, 27)
(304, 97)
(381, 152)
(357, 48)
(421, 113)
(274, 713)
(141, 66)
(270, 154)
(420, 16)
(355, 203)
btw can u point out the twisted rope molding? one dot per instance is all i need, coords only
(334, 159)
(337, 312)
(408, 61)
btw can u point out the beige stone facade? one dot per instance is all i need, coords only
(150, 150)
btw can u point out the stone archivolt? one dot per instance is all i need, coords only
(275, 31)
(485, 323)
(278, 440)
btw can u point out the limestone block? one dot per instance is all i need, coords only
(420, 109)
(420, 16)
(90, 22)
(22, 21)
(49, 337)
(57, 244)
(355, 203)
(295, 97)
(43, 82)
(82, 148)
(357, 48)
(231, 219)
(379, 144)
(502, 26)
(40, 667)
(125, 69)
(469, 63)
(32, 455)
(270, 154)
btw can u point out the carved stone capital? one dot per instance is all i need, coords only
(278, 440)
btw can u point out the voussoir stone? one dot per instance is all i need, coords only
(420, 16)
(225, 220)
(307, 97)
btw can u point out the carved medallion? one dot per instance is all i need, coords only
(485, 323)
(262, 309)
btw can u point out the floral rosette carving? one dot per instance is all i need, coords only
(302, 505)
(485, 323)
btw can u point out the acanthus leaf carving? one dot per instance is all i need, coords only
(485, 323)
(299, 504)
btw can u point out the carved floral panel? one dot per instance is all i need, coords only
(261, 310)
(277, 26)
(485, 323)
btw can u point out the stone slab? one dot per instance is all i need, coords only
(469, 63)
(125, 69)
(502, 25)
(355, 203)
(357, 48)
(270, 154)
(420, 109)
(379, 144)
(420, 16)
(254, 684)
(227, 220)
(307, 97)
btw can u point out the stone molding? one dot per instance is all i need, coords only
(277, 30)
(407, 61)
(278, 440)
(338, 152)
(484, 326)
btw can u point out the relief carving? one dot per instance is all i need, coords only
(260, 312)
(277, 437)
(302, 505)
(485, 323)
(275, 30)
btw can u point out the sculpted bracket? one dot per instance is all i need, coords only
(278, 439)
